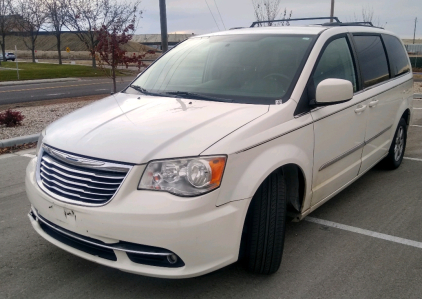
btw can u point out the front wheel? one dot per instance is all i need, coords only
(397, 148)
(266, 224)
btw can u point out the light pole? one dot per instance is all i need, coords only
(163, 21)
(414, 31)
(332, 11)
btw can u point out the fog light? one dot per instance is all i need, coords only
(172, 259)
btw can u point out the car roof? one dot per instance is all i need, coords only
(308, 30)
(300, 30)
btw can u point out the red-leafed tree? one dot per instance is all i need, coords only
(111, 52)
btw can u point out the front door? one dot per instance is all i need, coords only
(339, 129)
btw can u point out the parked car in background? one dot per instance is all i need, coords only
(199, 162)
(9, 56)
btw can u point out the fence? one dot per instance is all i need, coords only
(414, 49)
(416, 61)
(415, 54)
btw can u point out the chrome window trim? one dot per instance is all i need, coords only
(359, 92)
(104, 166)
(325, 116)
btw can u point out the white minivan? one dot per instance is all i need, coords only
(198, 163)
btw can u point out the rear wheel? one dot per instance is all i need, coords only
(265, 225)
(397, 148)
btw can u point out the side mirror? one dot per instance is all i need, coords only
(333, 91)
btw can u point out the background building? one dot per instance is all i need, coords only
(154, 40)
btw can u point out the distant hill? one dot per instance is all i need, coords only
(410, 41)
(47, 42)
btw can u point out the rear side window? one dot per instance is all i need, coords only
(399, 62)
(372, 58)
(336, 63)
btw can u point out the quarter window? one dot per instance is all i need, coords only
(399, 62)
(372, 58)
(336, 63)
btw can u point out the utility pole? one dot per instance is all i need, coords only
(332, 11)
(414, 31)
(163, 21)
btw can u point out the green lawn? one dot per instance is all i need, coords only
(30, 71)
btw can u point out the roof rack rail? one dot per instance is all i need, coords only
(301, 19)
(365, 24)
(350, 24)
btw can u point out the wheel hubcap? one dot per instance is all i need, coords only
(399, 144)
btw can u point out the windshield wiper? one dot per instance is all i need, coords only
(144, 91)
(192, 95)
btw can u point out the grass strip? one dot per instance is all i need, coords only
(31, 71)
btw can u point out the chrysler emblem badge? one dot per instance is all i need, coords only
(74, 160)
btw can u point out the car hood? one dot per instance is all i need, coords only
(137, 129)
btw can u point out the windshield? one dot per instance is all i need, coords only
(256, 69)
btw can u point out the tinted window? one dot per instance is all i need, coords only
(399, 62)
(336, 63)
(373, 62)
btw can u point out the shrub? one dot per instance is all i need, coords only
(11, 118)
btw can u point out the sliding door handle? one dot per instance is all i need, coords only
(360, 108)
(373, 103)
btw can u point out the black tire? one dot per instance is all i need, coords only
(266, 225)
(397, 148)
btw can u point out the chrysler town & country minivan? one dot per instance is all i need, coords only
(199, 162)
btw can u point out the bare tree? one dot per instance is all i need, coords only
(86, 17)
(57, 11)
(367, 15)
(269, 10)
(6, 23)
(34, 15)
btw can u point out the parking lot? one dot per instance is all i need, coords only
(364, 243)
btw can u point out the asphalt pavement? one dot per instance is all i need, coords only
(366, 242)
(59, 90)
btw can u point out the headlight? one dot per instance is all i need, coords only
(40, 139)
(184, 177)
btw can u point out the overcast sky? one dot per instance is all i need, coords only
(193, 16)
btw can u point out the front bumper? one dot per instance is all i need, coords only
(203, 236)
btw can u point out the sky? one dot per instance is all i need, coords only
(193, 16)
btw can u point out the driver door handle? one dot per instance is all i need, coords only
(360, 108)
(373, 103)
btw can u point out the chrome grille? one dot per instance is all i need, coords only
(78, 180)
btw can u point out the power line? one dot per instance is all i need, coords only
(212, 15)
(220, 15)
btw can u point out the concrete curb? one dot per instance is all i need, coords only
(19, 140)
(417, 96)
(24, 82)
